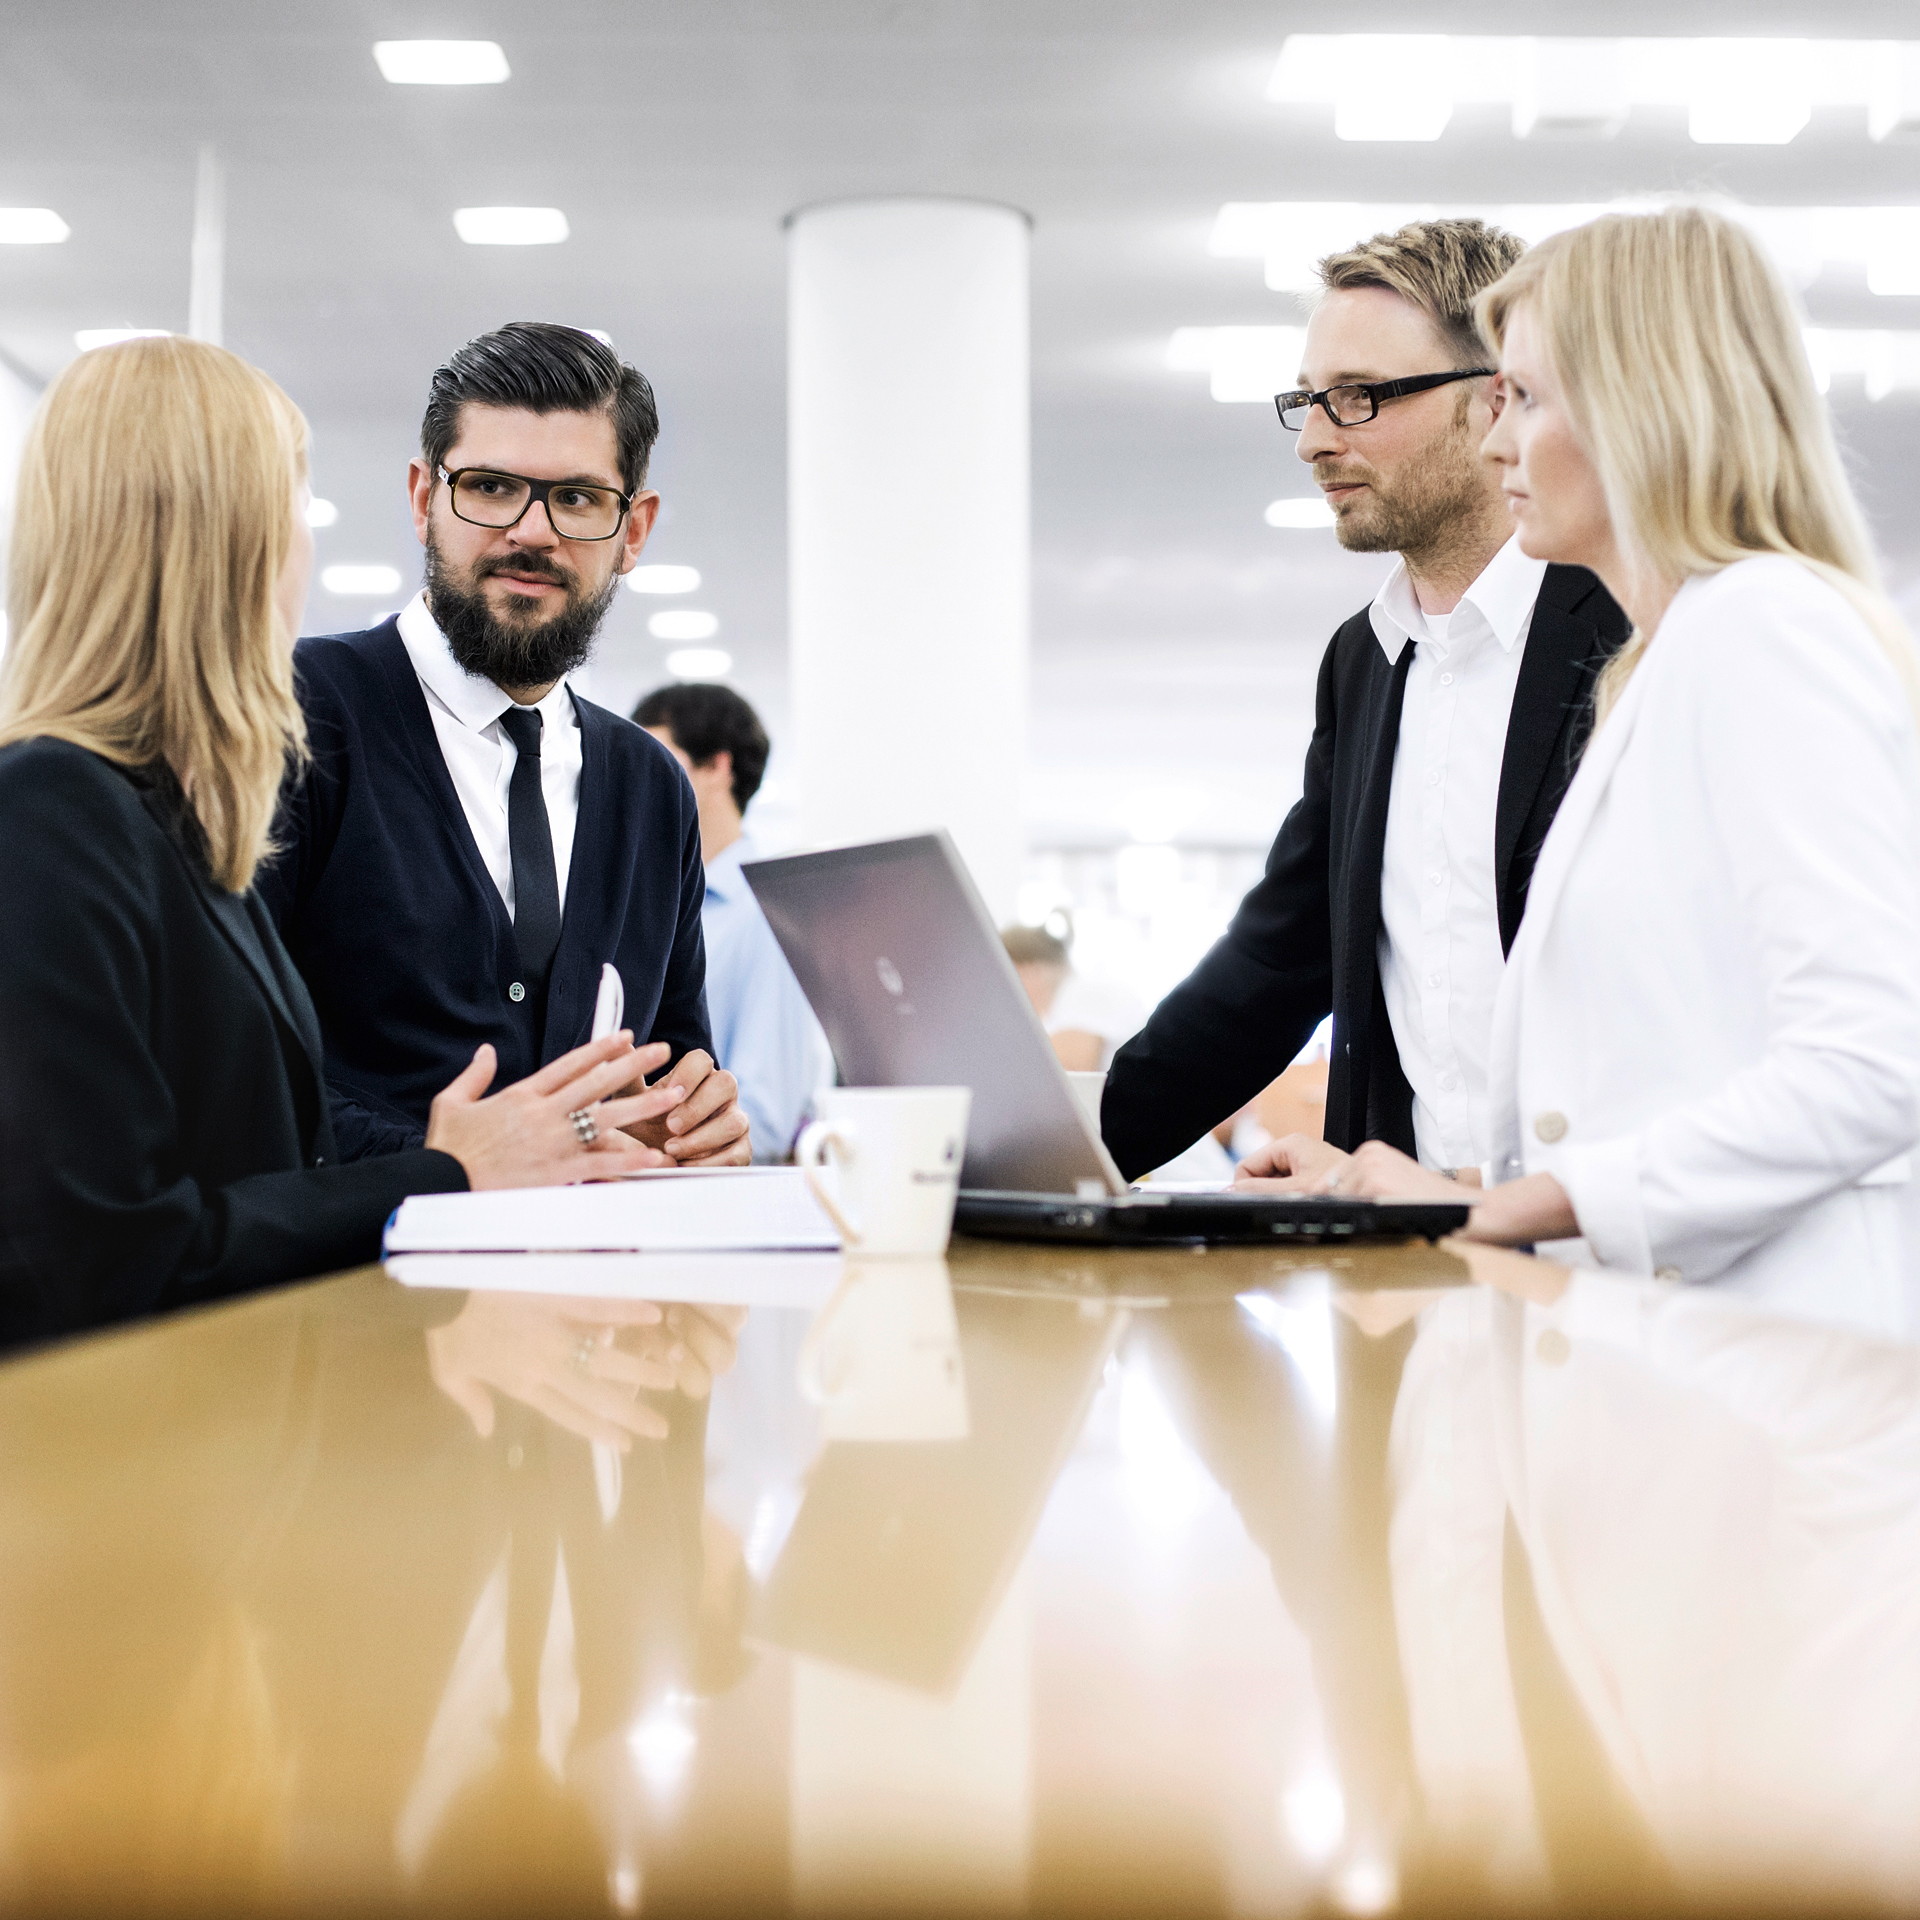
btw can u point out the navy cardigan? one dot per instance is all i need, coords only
(399, 931)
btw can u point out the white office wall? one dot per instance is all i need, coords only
(18, 398)
(908, 525)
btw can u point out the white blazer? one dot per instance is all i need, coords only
(1709, 1027)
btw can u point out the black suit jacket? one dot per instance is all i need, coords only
(1305, 941)
(164, 1137)
(400, 932)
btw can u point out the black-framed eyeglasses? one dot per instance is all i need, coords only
(1355, 403)
(485, 497)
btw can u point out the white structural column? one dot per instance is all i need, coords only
(908, 525)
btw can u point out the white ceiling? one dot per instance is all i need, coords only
(1175, 634)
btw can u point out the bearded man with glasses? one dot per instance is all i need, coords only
(1448, 718)
(472, 840)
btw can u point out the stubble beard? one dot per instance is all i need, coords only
(518, 647)
(1436, 502)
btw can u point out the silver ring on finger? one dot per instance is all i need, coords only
(584, 1126)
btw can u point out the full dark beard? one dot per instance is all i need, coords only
(519, 650)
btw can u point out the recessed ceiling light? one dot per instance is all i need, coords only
(510, 226)
(353, 581)
(700, 663)
(1244, 363)
(1300, 513)
(663, 579)
(321, 513)
(686, 625)
(441, 63)
(31, 227)
(90, 337)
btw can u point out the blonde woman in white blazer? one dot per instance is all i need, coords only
(1706, 1050)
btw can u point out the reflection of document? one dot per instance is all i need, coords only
(743, 1209)
(706, 1279)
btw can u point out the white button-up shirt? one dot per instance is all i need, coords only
(466, 711)
(1439, 953)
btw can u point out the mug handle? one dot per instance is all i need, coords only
(812, 1372)
(807, 1154)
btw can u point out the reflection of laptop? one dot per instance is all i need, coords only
(899, 957)
(902, 1548)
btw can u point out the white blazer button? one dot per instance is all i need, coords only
(1550, 1127)
(1553, 1348)
(516, 991)
(1668, 1274)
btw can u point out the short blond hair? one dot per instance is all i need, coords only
(1439, 266)
(153, 516)
(1679, 351)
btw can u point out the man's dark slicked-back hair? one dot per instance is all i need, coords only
(545, 369)
(706, 718)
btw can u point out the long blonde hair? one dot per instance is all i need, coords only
(1678, 348)
(153, 517)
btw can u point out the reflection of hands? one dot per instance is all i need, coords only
(697, 1344)
(709, 1127)
(573, 1360)
(1377, 1314)
(1295, 1163)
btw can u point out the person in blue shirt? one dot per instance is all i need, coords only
(764, 1033)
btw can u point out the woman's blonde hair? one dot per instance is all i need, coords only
(153, 517)
(1679, 351)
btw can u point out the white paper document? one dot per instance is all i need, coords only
(748, 1209)
(705, 1279)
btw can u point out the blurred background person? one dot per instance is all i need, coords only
(764, 1032)
(1707, 1043)
(1086, 1017)
(164, 1131)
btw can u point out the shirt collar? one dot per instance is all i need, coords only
(1502, 596)
(724, 878)
(471, 698)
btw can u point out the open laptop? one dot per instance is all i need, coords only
(895, 949)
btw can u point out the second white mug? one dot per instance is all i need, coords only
(897, 1153)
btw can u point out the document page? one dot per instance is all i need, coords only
(714, 1210)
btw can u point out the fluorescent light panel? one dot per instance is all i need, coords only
(31, 227)
(683, 624)
(510, 226)
(441, 63)
(700, 663)
(1288, 236)
(663, 579)
(1745, 91)
(90, 338)
(351, 582)
(1300, 514)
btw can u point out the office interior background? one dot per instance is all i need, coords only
(344, 218)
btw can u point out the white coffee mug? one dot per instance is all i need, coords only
(882, 1358)
(897, 1154)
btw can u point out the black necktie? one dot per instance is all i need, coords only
(536, 893)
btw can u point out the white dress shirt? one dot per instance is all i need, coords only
(466, 711)
(1439, 953)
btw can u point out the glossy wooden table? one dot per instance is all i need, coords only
(1223, 1583)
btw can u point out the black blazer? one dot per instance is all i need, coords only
(399, 931)
(163, 1131)
(1304, 942)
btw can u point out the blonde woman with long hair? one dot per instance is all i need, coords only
(164, 1137)
(1706, 1053)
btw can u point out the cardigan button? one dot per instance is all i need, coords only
(1550, 1127)
(516, 992)
(1553, 1348)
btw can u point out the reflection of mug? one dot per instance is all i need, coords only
(882, 1358)
(897, 1151)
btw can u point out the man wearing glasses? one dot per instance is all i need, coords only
(472, 840)
(1448, 718)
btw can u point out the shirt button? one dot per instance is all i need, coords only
(1550, 1127)
(1553, 1348)
(1446, 679)
(516, 992)
(1433, 979)
(1436, 878)
(1448, 1083)
(1433, 779)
